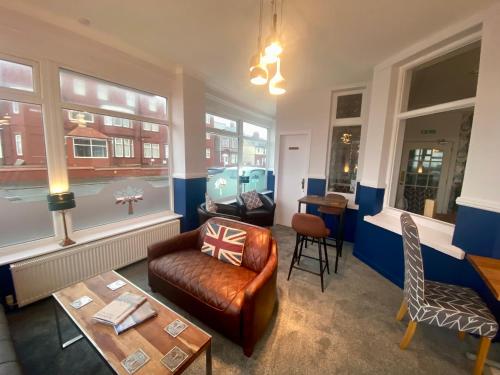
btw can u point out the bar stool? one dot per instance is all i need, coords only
(307, 225)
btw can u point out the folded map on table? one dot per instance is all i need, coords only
(119, 309)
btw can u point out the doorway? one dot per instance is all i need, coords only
(292, 175)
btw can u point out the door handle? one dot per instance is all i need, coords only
(303, 183)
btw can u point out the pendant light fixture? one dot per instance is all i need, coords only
(269, 56)
(258, 70)
(277, 84)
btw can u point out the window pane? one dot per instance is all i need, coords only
(81, 89)
(113, 186)
(222, 165)
(445, 79)
(254, 165)
(221, 123)
(349, 106)
(254, 131)
(16, 76)
(23, 178)
(344, 158)
(433, 160)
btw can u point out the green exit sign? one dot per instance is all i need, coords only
(428, 131)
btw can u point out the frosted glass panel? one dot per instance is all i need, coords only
(23, 174)
(81, 89)
(222, 163)
(16, 76)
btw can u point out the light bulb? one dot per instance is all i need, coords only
(346, 168)
(273, 46)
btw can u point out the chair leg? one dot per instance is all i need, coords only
(303, 238)
(337, 253)
(326, 256)
(321, 269)
(482, 354)
(461, 335)
(410, 331)
(294, 256)
(402, 310)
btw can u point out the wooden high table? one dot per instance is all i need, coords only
(337, 205)
(489, 270)
(148, 336)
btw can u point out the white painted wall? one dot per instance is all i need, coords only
(188, 127)
(310, 110)
(482, 175)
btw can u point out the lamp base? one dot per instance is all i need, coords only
(66, 242)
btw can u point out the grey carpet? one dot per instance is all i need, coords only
(349, 329)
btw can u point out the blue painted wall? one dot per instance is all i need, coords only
(317, 186)
(6, 283)
(476, 231)
(188, 195)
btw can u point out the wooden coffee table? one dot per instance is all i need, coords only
(148, 336)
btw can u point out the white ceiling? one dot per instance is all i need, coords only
(327, 42)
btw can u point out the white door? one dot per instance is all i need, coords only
(292, 175)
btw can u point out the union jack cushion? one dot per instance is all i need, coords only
(224, 243)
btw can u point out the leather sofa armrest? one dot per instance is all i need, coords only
(268, 202)
(259, 301)
(183, 241)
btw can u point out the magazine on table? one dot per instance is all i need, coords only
(119, 309)
(143, 313)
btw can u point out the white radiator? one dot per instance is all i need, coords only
(39, 277)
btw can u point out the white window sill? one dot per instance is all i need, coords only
(18, 252)
(435, 234)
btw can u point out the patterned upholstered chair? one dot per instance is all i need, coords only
(438, 304)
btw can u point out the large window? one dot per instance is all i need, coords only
(233, 169)
(113, 138)
(23, 163)
(433, 143)
(345, 140)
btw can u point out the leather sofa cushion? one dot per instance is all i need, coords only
(206, 278)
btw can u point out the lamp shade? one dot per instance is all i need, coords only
(61, 201)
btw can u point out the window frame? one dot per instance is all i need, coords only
(91, 148)
(18, 140)
(400, 114)
(238, 134)
(46, 94)
(344, 122)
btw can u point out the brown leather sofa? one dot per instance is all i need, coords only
(236, 301)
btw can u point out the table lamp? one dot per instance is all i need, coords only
(62, 202)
